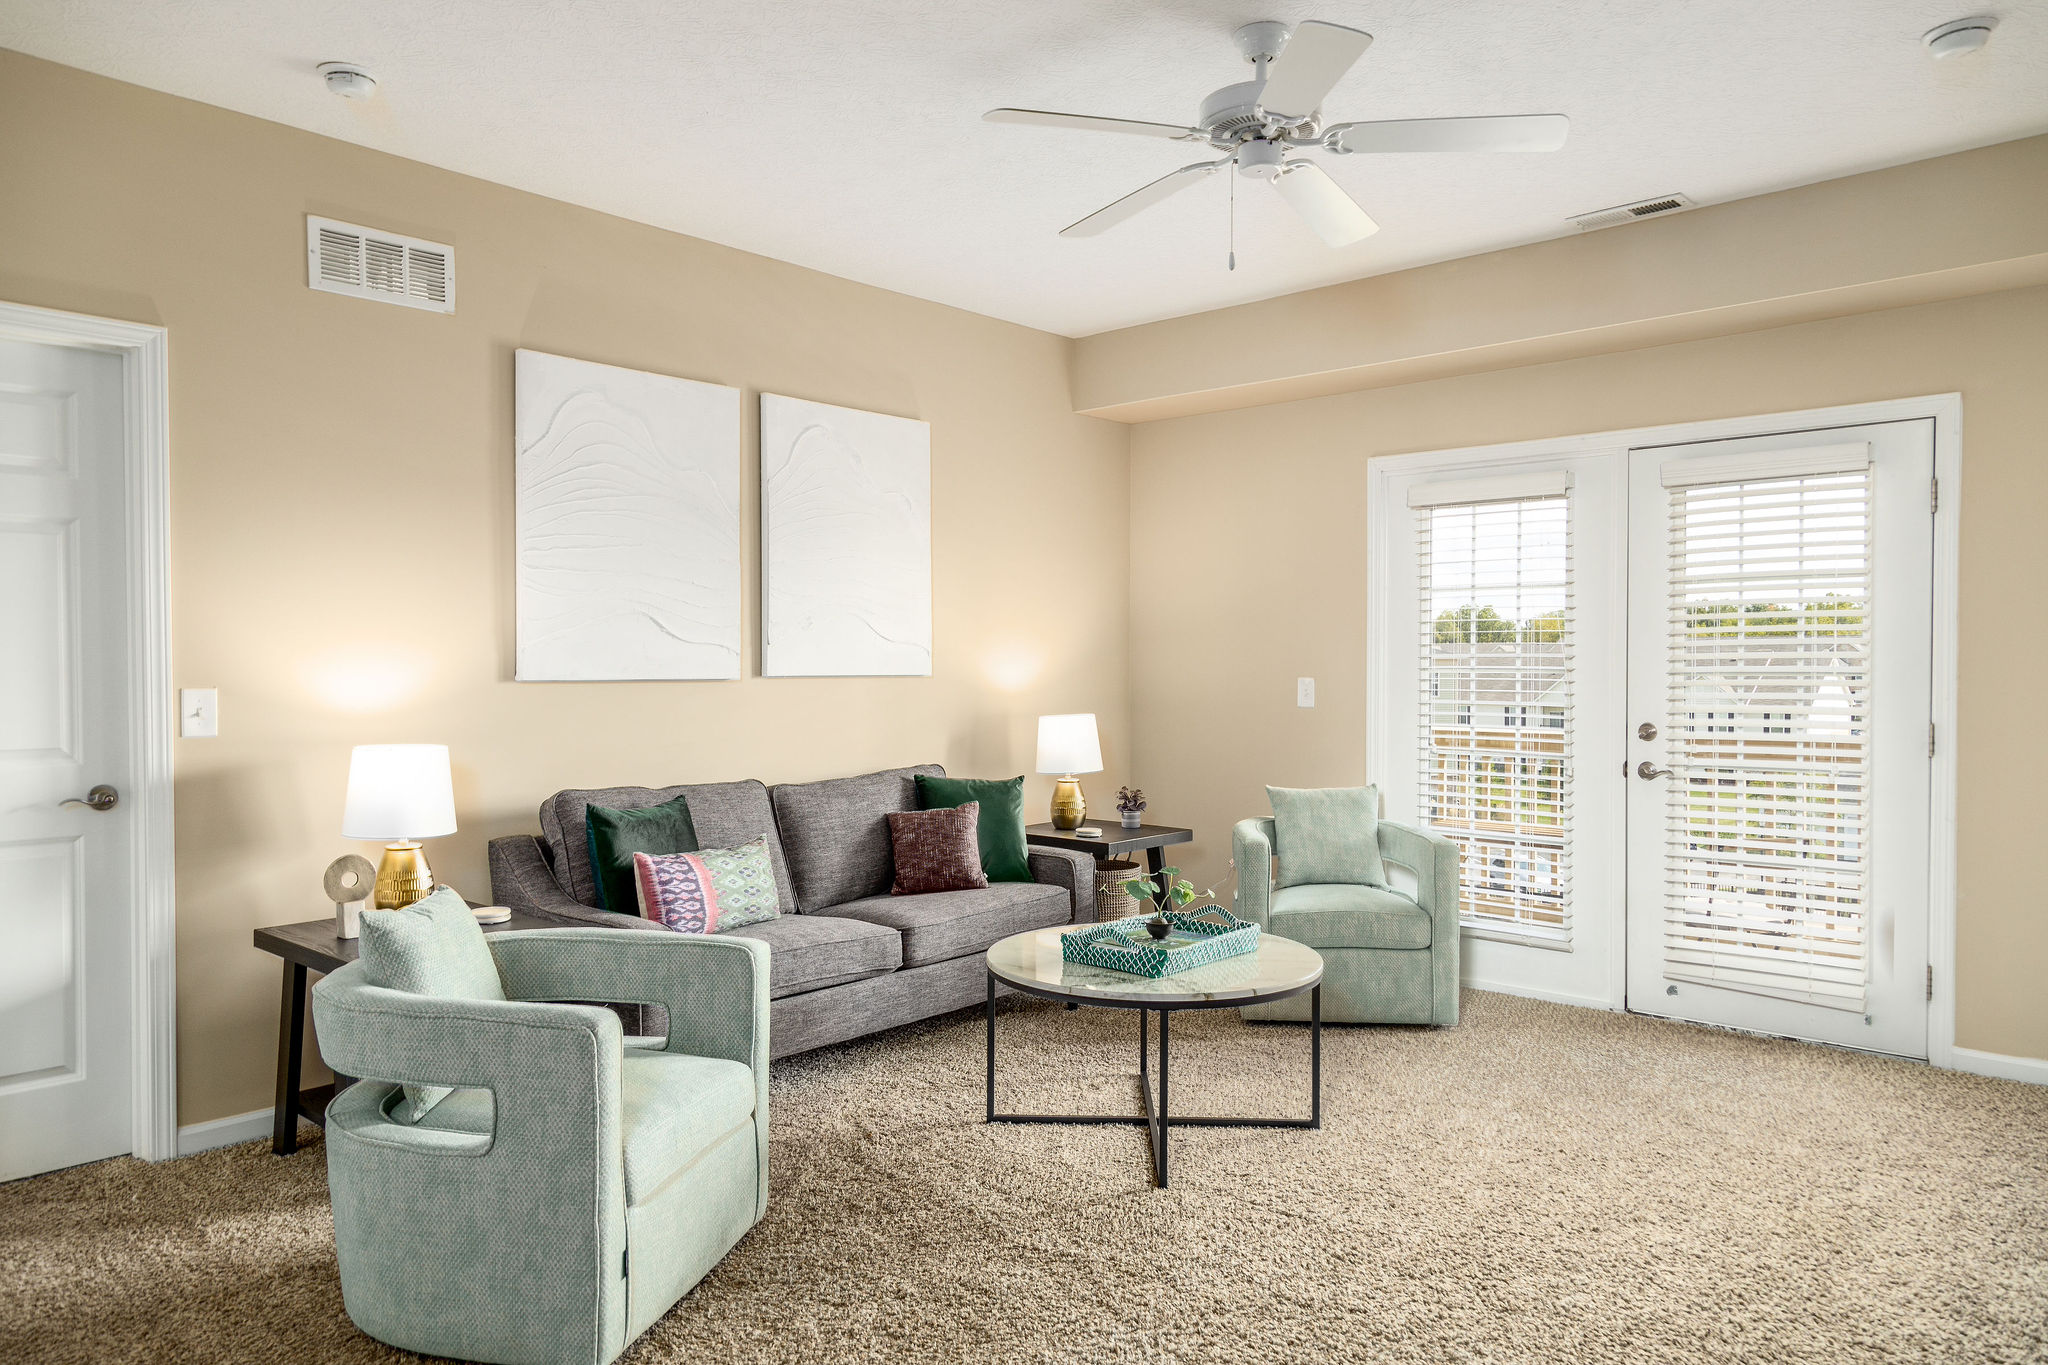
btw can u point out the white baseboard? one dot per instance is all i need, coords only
(204, 1137)
(2033, 1070)
(1590, 1002)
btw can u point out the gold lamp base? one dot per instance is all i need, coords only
(1069, 807)
(402, 877)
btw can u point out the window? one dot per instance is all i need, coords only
(1495, 633)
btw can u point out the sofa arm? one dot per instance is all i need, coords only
(1434, 861)
(1074, 873)
(1251, 853)
(714, 987)
(522, 880)
(538, 1060)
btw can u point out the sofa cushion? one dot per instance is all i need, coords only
(1327, 835)
(431, 947)
(809, 954)
(836, 833)
(615, 836)
(672, 1106)
(1005, 855)
(724, 815)
(1346, 916)
(935, 850)
(949, 924)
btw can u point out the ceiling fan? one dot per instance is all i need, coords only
(1263, 124)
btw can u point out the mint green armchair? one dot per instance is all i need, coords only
(572, 1188)
(1389, 957)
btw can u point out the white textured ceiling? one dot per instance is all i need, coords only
(845, 135)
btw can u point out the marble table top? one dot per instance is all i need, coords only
(1279, 967)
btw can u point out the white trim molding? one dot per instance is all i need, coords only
(145, 364)
(1385, 735)
(2032, 1070)
(235, 1128)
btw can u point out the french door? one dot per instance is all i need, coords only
(1778, 702)
(1673, 704)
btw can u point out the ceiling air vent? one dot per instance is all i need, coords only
(342, 258)
(1628, 213)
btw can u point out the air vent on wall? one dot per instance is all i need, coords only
(342, 258)
(1628, 213)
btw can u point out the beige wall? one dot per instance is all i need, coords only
(342, 508)
(1248, 570)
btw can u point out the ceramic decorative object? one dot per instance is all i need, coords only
(348, 881)
(626, 523)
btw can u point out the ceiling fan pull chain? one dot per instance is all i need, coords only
(1233, 214)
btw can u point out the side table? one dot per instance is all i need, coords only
(1115, 842)
(312, 946)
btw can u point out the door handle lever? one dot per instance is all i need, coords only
(100, 798)
(1647, 770)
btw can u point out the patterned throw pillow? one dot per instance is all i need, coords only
(709, 891)
(937, 850)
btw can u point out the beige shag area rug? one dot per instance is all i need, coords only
(1540, 1184)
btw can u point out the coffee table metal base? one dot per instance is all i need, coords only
(1158, 1120)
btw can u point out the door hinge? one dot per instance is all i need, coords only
(1930, 981)
(1930, 739)
(1934, 495)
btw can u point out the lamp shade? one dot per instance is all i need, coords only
(1069, 744)
(398, 791)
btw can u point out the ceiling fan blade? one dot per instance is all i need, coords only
(1045, 118)
(1138, 200)
(1322, 203)
(1504, 133)
(1315, 58)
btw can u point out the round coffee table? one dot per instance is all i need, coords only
(1280, 968)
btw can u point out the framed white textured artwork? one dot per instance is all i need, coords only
(627, 523)
(846, 542)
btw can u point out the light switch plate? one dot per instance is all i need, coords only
(198, 712)
(1304, 691)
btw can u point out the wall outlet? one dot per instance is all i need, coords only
(198, 713)
(1304, 691)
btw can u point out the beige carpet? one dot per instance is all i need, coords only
(1540, 1184)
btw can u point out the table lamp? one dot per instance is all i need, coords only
(399, 794)
(1068, 745)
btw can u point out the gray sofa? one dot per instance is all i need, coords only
(852, 959)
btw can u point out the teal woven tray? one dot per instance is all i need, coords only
(1199, 937)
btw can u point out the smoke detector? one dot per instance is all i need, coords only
(348, 80)
(1958, 37)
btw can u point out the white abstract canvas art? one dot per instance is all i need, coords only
(627, 523)
(846, 542)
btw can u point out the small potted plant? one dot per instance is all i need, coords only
(1130, 803)
(1180, 895)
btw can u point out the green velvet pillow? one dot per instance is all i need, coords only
(1327, 836)
(431, 947)
(1004, 857)
(616, 835)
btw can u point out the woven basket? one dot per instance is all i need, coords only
(1111, 902)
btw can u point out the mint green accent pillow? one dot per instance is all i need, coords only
(616, 835)
(743, 880)
(1328, 836)
(1004, 855)
(431, 947)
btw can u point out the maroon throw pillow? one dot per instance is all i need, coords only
(937, 850)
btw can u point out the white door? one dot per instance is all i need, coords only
(1777, 751)
(65, 870)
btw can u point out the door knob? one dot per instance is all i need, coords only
(100, 798)
(1647, 770)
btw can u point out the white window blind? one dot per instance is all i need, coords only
(1495, 737)
(1766, 826)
